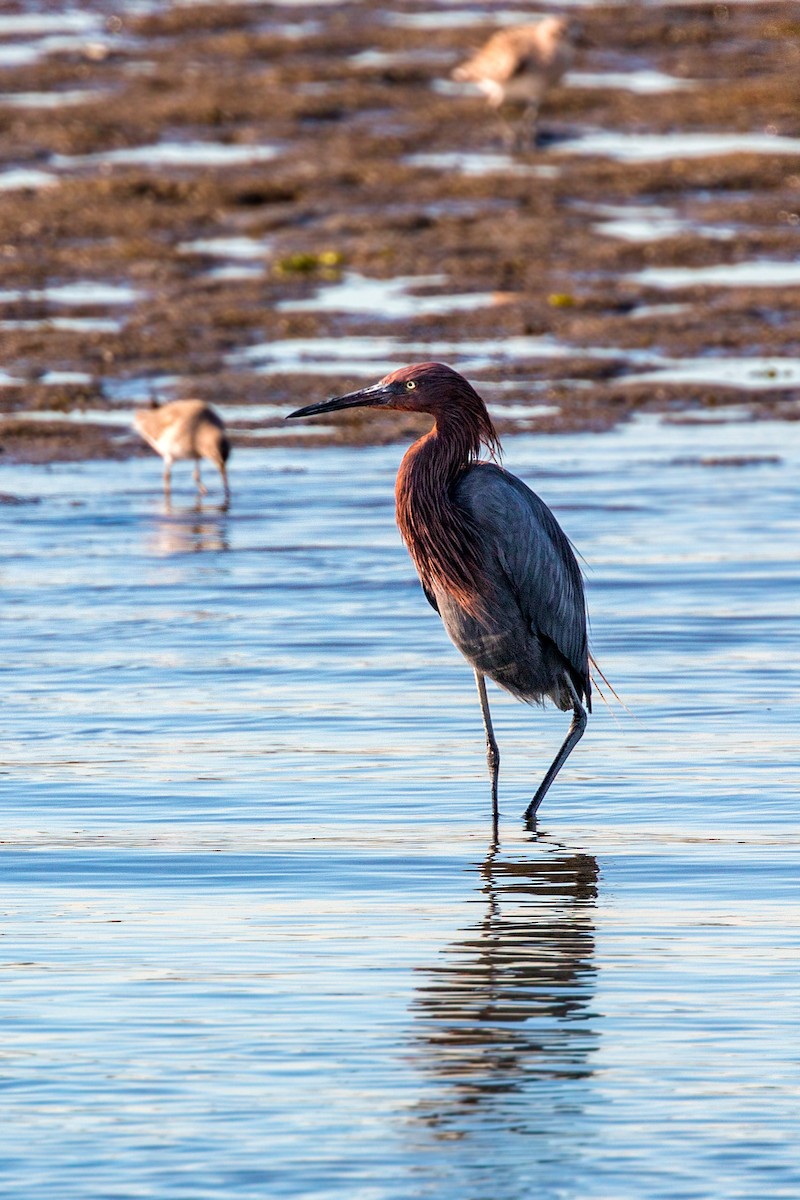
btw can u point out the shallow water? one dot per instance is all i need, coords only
(24, 24)
(480, 162)
(242, 248)
(62, 99)
(651, 223)
(67, 324)
(643, 82)
(661, 147)
(761, 273)
(390, 299)
(456, 18)
(173, 154)
(377, 60)
(255, 943)
(755, 373)
(82, 293)
(370, 355)
(52, 33)
(18, 179)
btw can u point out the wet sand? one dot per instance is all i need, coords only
(338, 154)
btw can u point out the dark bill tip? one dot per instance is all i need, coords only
(311, 410)
(370, 397)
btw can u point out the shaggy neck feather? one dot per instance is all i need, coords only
(440, 537)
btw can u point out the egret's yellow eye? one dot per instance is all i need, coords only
(410, 384)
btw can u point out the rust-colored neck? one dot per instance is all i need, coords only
(440, 537)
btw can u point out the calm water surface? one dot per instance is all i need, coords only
(255, 940)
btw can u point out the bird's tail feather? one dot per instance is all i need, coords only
(596, 671)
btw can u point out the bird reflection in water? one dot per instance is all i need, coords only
(509, 1004)
(192, 530)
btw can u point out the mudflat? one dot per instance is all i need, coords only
(260, 206)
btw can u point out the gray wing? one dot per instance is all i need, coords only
(533, 553)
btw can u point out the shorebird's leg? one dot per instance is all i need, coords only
(202, 490)
(167, 479)
(574, 735)
(492, 749)
(508, 133)
(224, 473)
(527, 127)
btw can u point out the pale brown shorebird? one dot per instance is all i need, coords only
(186, 429)
(515, 69)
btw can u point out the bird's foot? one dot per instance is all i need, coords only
(529, 821)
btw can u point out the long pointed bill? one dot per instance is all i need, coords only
(371, 397)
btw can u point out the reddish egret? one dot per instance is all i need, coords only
(186, 429)
(516, 67)
(491, 557)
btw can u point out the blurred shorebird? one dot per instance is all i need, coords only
(515, 69)
(491, 557)
(186, 429)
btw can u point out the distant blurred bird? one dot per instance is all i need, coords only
(515, 69)
(491, 557)
(186, 429)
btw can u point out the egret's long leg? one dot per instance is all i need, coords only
(492, 749)
(577, 726)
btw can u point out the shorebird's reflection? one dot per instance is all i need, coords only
(510, 1001)
(192, 530)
